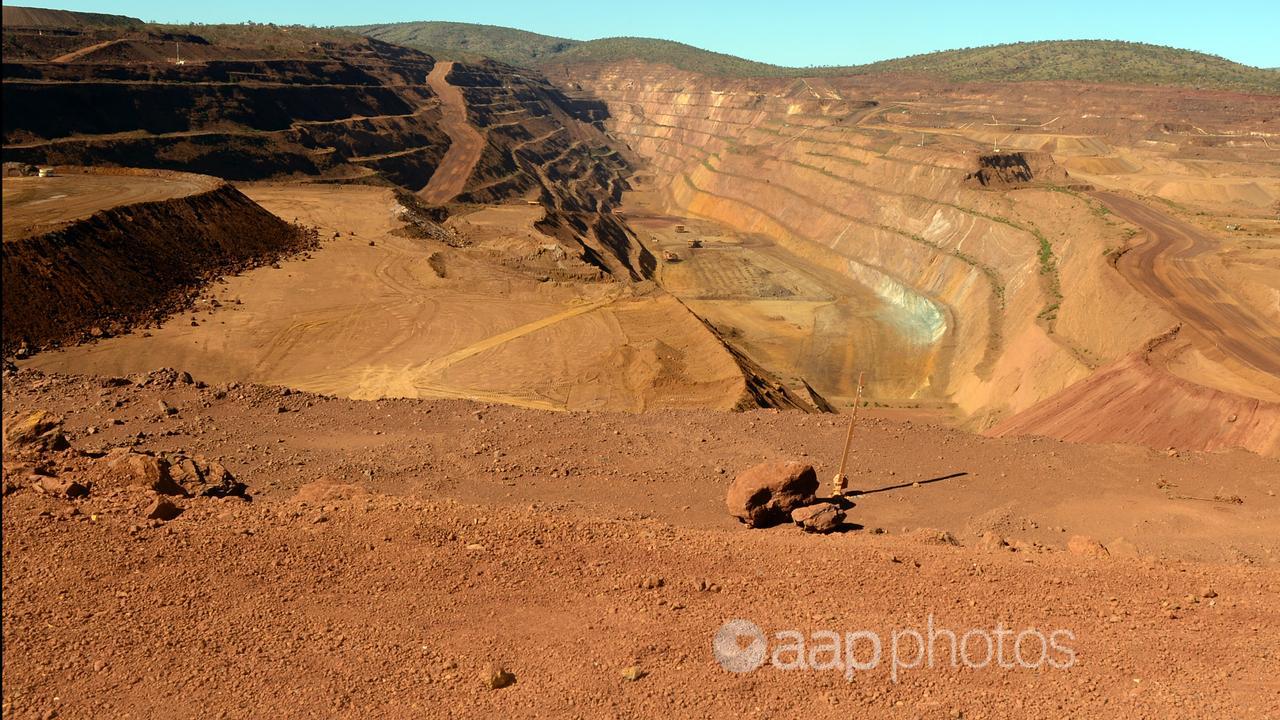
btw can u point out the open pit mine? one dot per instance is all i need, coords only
(352, 371)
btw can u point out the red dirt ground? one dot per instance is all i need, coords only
(461, 535)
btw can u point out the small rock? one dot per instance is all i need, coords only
(652, 582)
(934, 536)
(633, 673)
(821, 517)
(1122, 548)
(162, 509)
(166, 408)
(1086, 546)
(991, 541)
(185, 378)
(1208, 593)
(498, 677)
(59, 487)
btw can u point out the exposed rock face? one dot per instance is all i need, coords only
(171, 474)
(38, 431)
(1016, 169)
(132, 468)
(831, 172)
(540, 140)
(344, 108)
(201, 476)
(822, 517)
(767, 493)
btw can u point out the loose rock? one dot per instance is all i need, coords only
(1086, 546)
(163, 510)
(818, 518)
(498, 677)
(59, 487)
(991, 541)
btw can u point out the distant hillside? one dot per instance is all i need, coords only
(28, 17)
(519, 47)
(685, 57)
(1103, 61)
(465, 41)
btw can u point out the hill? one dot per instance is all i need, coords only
(29, 17)
(519, 47)
(467, 41)
(1103, 61)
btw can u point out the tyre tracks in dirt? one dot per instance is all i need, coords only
(465, 144)
(1167, 267)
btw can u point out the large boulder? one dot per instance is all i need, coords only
(38, 431)
(767, 493)
(204, 477)
(126, 467)
(823, 517)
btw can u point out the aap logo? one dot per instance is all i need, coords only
(739, 646)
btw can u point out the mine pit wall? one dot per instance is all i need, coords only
(541, 141)
(361, 116)
(133, 264)
(769, 157)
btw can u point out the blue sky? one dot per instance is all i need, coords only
(789, 33)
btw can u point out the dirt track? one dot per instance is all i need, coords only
(1165, 267)
(465, 142)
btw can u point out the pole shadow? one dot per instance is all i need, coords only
(900, 486)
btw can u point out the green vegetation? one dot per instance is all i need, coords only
(38, 18)
(1101, 61)
(685, 57)
(281, 39)
(465, 41)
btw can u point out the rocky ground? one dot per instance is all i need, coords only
(400, 558)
